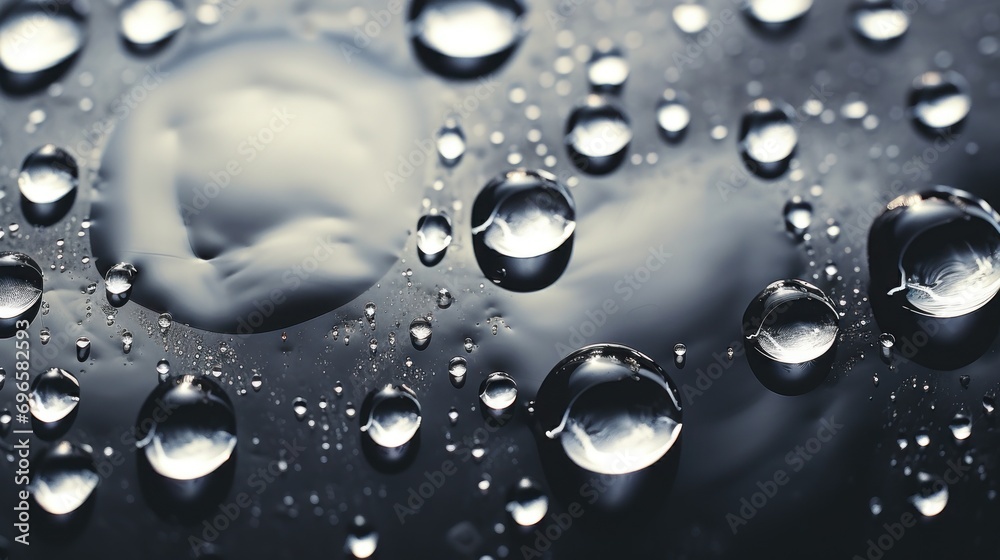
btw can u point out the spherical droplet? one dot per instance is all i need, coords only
(879, 20)
(931, 496)
(527, 503)
(498, 391)
(433, 235)
(444, 298)
(390, 416)
(48, 175)
(362, 539)
(672, 116)
(187, 428)
(598, 134)
(768, 137)
(299, 407)
(939, 100)
(613, 410)
(20, 284)
(54, 395)
(607, 69)
(457, 368)
(774, 13)
(147, 24)
(691, 18)
(450, 143)
(64, 478)
(119, 278)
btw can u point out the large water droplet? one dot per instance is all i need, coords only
(48, 177)
(597, 135)
(38, 41)
(961, 426)
(776, 13)
(20, 284)
(613, 410)
(390, 416)
(64, 478)
(53, 396)
(879, 20)
(187, 428)
(768, 137)
(791, 328)
(939, 100)
(465, 38)
(527, 503)
(522, 225)
(147, 24)
(498, 391)
(931, 496)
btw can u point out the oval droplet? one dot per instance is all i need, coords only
(776, 14)
(498, 391)
(879, 21)
(390, 416)
(768, 137)
(607, 69)
(939, 100)
(53, 396)
(597, 135)
(20, 285)
(527, 503)
(38, 41)
(149, 24)
(672, 115)
(64, 478)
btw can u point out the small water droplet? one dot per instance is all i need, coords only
(20, 284)
(362, 539)
(53, 396)
(256, 382)
(450, 143)
(598, 134)
(776, 14)
(879, 20)
(391, 416)
(148, 24)
(768, 137)
(48, 176)
(118, 280)
(498, 391)
(420, 332)
(126, 342)
(931, 496)
(433, 237)
(691, 18)
(164, 321)
(607, 69)
(444, 298)
(939, 100)
(922, 438)
(457, 369)
(961, 426)
(672, 115)
(299, 407)
(64, 478)
(527, 503)
(82, 348)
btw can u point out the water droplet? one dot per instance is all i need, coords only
(932, 495)
(433, 237)
(48, 180)
(469, 345)
(369, 312)
(38, 41)
(875, 505)
(922, 438)
(833, 231)
(776, 13)
(82, 348)
(362, 539)
(54, 395)
(450, 143)
(338, 389)
(64, 478)
(453, 416)
(20, 284)
(299, 407)
(44, 335)
(187, 428)
(768, 137)
(613, 410)
(390, 416)
(989, 405)
(964, 381)
(164, 321)
(673, 116)
(789, 327)
(498, 391)
(163, 368)
(680, 352)
(457, 369)
(879, 20)
(607, 69)
(465, 38)
(119, 279)
(256, 382)
(939, 250)
(523, 222)
(3, 377)
(148, 24)
(961, 426)
(444, 298)
(730, 353)
(597, 135)
(831, 270)
(420, 332)
(939, 101)
(527, 503)
(126, 342)
(691, 18)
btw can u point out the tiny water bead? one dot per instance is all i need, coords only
(186, 428)
(768, 137)
(390, 416)
(791, 329)
(465, 38)
(608, 69)
(522, 225)
(612, 409)
(362, 539)
(450, 143)
(672, 116)
(598, 134)
(798, 216)
(147, 24)
(20, 284)
(433, 237)
(776, 13)
(879, 20)
(64, 478)
(937, 252)
(527, 503)
(939, 100)
(498, 391)
(38, 40)
(54, 395)
(48, 175)
(118, 280)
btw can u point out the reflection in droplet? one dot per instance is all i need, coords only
(527, 503)
(38, 40)
(465, 38)
(613, 410)
(54, 395)
(939, 100)
(64, 478)
(20, 284)
(597, 135)
(433, 237)
(961, 426)
(457, 368)
(768, 137)
(149, 23)
(390, 416)
(498, 391)
(119, 278)
(607, 69)
(879, 20)
(48, 175)
(187, 428)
